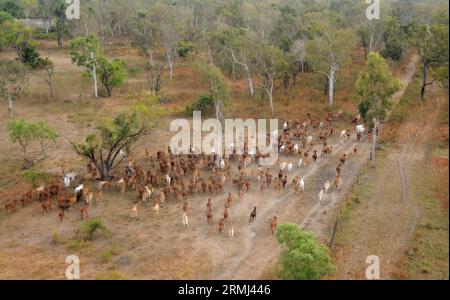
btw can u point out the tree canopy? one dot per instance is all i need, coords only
(302, 258)
(375, 86)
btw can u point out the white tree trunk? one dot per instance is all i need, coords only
(270, 94)
(152, 61)
(170, 62)
(94, 74)
(47, 25)
(331, 80)
(10, 106)
(249, 80)
(217, 111)
(374, 141)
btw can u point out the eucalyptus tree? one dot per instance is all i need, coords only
(431, 43)
(327, 53)
(270, 64)
(238, 44)
(13, 79)
(86, 52)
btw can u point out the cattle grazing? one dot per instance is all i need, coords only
(209, 216)
(104, 185)
(314, 156)
(68, 179)
(99, 197)
(147, 193)
(64, 206)
(61, 214)
(339, 169)
(225, 213)
(253, 215)
(221, 224)
(327, 185)
(46, 206)
(84, 213)
(88, 198)
(320, 196)
(11, 206)
(229, 200)
(231, 231)
(79, 192)
(289, 167)
(337, 182)
(185, 220)
(134, 212)
(273, 224)
(156, 207)
(121, 185)
(302, 184)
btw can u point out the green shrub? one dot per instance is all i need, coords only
(78, 244)
(184, 47)
(109, 252)
(90, 227)
(133, 71)
(204, 103)
(34, 176)
(303, 258)
(44, 36)
(392, 50)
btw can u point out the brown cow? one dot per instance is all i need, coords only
(209, 217)
(221, 224)
(225, 213)
(273, 225)
(84, 213)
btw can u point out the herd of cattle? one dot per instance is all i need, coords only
(175, 177)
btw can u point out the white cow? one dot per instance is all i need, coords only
(289, 167)
(360, 129)
(231, 232)
(68, 179)
(327, 185)
(185, 220)
(79, 188)
(320, 196)
(302, 184)
(283, 166)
